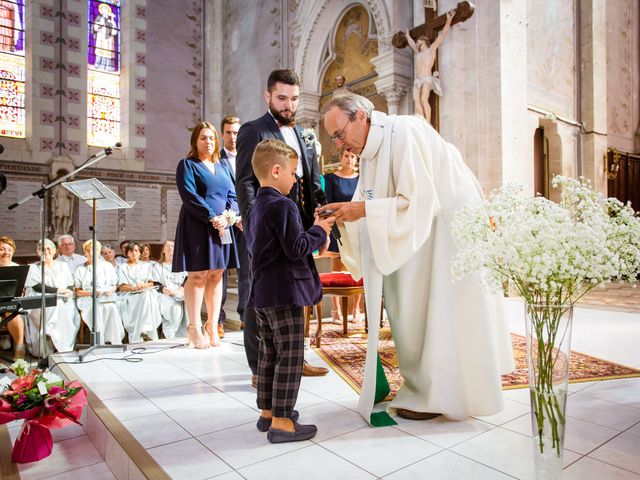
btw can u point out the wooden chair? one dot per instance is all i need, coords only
(342, 285)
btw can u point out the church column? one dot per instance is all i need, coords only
(212, 91)
(394, 69)
(308, 114)
(594, 90)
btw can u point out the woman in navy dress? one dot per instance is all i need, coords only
(207, 191)
(340, 187)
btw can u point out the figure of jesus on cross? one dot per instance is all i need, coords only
(425, 59)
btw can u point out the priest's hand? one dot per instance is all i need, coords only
(346, 211)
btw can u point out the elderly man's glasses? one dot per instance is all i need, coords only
(340, 135)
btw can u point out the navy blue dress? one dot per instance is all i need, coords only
(204, 195)
(338, 189)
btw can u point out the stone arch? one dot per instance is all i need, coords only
(555, 157)
(309, 60)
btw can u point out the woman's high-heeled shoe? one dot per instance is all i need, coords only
(335, 317)
(214, 339)
(199, 343)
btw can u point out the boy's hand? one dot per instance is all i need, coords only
(325, 223)
(324, 249)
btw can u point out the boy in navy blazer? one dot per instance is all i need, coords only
(285, 280)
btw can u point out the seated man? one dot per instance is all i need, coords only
(66, 252)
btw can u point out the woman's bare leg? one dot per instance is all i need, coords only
(193, 293)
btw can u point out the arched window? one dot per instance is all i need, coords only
(103, 99)
(12, 69)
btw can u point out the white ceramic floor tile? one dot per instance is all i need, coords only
(332, 420)
(155, 430)
(580, 436)
(442, 432)
(622, 451)
(505, 451)
(447, 465)
(188, 459)
(625, 392)
(310, 463)
(520, 395)
(245, 445)
(133, 405)
(511, 411)
(380, 451)
(185, 396)
(601, 412)
(635, 429)
(219, 414)
(228, 476)
(589, 469)
(98, 471)
(67, 455)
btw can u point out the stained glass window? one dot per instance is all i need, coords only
(12, 69)
(103, 97)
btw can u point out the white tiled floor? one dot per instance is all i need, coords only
(195, 412)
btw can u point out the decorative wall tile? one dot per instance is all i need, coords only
(73, 121)
(139, 106)
(73, 69)
(74, 19)
(139, 153)
(46, 144)
(46, 118)
(47, 11)
(74, 147)
(47, 38)
(46, 64)
(140, 82)
(141, 12)
(141, 36)
(140, 130)
(140, 59)
(46, 90)
(73, 95)
(73, 44)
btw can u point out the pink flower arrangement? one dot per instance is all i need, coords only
(44, 401)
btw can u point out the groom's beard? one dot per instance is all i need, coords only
(280, 115)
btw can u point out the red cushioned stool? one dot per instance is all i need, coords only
(339, 284)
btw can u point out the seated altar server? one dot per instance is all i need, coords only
(174, 319)
(62, 323)
(139, 307)
(108, 321)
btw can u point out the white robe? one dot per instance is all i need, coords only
(108, 321)
(174, 319)
(62, 322)
(452, 341)
(139, 310)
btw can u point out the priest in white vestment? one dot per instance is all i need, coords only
(452, 341)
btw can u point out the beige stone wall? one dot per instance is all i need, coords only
(623, 64)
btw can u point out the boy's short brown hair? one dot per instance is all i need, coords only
(268, 153)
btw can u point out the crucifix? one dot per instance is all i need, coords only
(426, 61)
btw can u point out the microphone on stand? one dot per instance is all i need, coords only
(104, 152)
(321, 199)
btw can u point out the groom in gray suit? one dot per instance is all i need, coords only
(282, 96)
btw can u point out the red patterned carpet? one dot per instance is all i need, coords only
(346, 354)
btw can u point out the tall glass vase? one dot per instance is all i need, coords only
(548, 355)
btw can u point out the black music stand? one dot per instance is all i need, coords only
(100, 197)
(41, 193)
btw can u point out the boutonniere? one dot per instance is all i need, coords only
(309, 137)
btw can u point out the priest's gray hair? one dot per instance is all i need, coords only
(349, 103)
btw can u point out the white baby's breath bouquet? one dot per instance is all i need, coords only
(551, 254)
